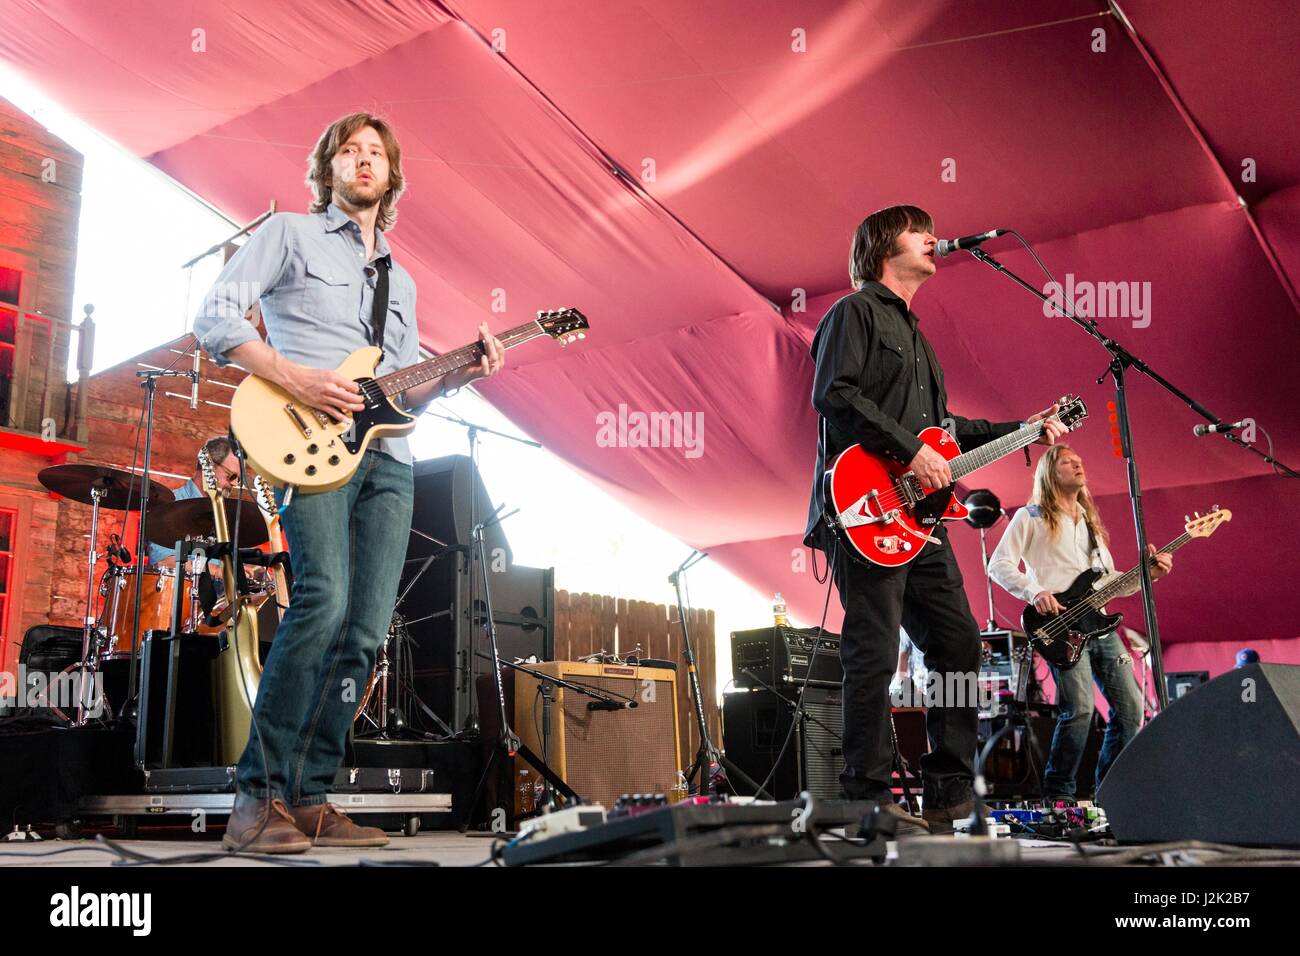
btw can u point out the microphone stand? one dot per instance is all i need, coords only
(150, 385)
(708, 756)
(508, 743)
(602, 700)
(1121, 360)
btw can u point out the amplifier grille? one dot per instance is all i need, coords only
(823, 752)
(604, 753)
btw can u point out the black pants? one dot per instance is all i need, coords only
(927, 598)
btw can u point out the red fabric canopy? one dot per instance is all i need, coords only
(689, 175)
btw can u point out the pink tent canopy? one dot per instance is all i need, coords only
(689, 174)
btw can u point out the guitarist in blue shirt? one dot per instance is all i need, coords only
(315, 278)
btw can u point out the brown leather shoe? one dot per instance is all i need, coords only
(279, 835)
(908, 825)
(941, 819)
(327, 825)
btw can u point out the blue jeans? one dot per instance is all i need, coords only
(1107, 661)
(347, 547)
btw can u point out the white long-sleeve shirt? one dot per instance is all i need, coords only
(1050, 563)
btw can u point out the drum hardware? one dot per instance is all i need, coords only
(99, 486)
(393, 683)
(378, 690)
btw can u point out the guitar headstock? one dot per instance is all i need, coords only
(563, 325)
(265, 500)
(1204, 525)
(1072, 412)
(210, 484)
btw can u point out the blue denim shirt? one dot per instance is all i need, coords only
(315, 286)
(157, 552)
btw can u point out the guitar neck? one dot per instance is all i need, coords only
(1122, 583)
(986, 454)
(397, 382)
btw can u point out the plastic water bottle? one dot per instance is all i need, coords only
(779, 611)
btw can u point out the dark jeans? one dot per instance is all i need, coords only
(1106, 661)
(348, 546)
(927, 598)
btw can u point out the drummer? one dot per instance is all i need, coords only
(222, 455)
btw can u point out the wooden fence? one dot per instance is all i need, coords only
(589, 623)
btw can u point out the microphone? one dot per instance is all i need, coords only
(117, 549)
(194, 382)
(1221, 427)
(610, 704)
(947, 247)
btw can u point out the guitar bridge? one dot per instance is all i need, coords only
(298, 420)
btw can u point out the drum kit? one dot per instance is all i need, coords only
(114, 626)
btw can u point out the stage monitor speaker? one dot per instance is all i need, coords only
(756, 723)
(1221, 765)
(601, 754)
(445, 635)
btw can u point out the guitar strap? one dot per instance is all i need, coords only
(379, 308)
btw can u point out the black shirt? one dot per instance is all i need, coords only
(878, 383)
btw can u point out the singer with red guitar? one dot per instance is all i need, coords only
(878, 384)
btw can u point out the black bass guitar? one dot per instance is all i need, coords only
(1060, 638)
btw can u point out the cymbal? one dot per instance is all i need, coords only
(123, 489)
(193, 518)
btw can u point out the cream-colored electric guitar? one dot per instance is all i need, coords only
(238, 668)
(292, 444)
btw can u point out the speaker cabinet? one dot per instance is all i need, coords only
(447, 636)
(756, 724)
(601, 754)
(1221, 764)
(444, 605)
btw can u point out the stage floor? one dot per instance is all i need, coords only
(440, 848)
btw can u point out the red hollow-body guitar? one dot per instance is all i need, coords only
(879, 509)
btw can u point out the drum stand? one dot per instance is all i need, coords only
(90, 637)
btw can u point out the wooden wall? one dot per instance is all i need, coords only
(588, 623)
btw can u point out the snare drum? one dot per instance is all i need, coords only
(156, 600)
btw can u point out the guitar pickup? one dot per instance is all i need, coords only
(298, 420)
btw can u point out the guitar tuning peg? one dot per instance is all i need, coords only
(1196, 514)
(582, 335)
(1187, 519)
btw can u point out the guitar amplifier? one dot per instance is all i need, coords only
(601, 754)
(756, 724)
(778, 656)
